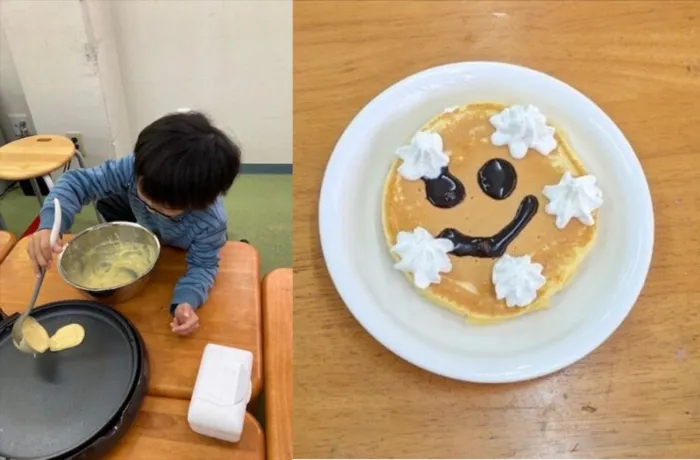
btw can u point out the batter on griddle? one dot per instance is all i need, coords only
(36, 336)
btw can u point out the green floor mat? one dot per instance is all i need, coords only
(259, 208)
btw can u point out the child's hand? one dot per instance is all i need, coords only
(40, 252)
(185, 320)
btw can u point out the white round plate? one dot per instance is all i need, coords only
(580, 318)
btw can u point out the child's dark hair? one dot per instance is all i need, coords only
(184, 162)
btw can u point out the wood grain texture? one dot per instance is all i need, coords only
(34, 156)
(232, 315)
(278, 345)
(7, 242)
(161, 432)
(639, 393)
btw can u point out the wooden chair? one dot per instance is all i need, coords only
(161, 432)
(278, 347)
(36, 156)
(7, 242)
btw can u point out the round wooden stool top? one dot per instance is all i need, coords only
(34, 156)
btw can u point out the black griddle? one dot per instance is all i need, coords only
(73, 404)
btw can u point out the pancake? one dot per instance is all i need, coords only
(37, 339)
(35, 335)
(69, 336)
(467, 288)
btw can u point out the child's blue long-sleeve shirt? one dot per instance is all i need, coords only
(201, 233)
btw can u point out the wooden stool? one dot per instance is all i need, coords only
(277, 360)
(36, 156)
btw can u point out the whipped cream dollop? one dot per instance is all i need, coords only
(423, 256)
(423, 157)
(573, 197)
(517, 280)
(523, 128)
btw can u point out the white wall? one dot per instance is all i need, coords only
(11, 93)
(230, 59)
(57, 65)
(107, 69)
(97, 16)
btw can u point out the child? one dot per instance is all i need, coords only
(172, 185)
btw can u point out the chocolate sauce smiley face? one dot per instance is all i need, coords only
(497, 179)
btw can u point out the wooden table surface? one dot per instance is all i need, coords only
(7, 242)
(639, 393)
(278, 345)
(231, 316)
(34, 156)
(161, 432)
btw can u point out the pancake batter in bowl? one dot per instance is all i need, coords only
(112, 264)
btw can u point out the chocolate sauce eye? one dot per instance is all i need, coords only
(445, 191)
(497, 178)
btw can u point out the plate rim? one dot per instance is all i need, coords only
(397, 344)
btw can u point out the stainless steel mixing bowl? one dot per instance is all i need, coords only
(71, 260)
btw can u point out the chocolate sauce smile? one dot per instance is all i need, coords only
(496, 245)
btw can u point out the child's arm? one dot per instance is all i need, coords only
(78, 187)
(202, 266)
(75, 189)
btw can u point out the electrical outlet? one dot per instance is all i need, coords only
(77, 138)
(21, 124)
